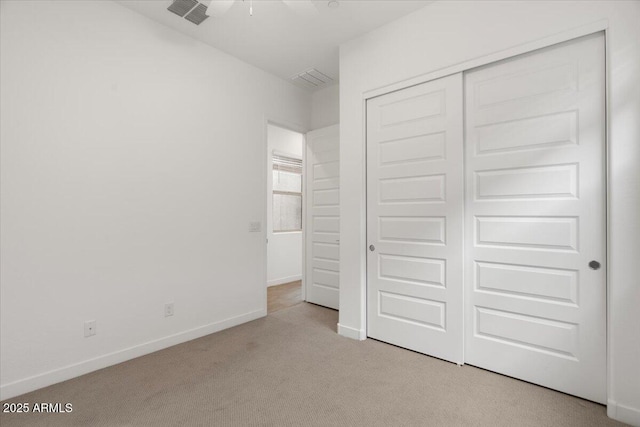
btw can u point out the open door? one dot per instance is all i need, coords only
(322, 217)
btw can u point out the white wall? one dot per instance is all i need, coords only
(133, 160)
(325, 107)
(284, 251)
(447, 33)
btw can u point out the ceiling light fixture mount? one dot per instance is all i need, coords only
(333, 4)
(217, 8)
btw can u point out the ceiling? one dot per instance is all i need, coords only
(276, 38)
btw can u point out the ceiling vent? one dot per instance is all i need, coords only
(312, 79)
(190, 10)
(197, 14)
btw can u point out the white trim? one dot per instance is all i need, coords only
(564, 36)
(35, 382)
(607, 219)
(305, 170)
(353, 333)
(284, 280)
(625, 414)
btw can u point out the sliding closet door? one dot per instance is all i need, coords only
(414, 218)
(535, 218)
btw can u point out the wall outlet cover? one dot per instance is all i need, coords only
(168, 309)
(89, 328)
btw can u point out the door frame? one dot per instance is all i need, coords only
(576, 33)
(295, 127)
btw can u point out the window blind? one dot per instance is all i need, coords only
(287, 164)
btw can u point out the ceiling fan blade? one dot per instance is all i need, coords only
(217, 8)
(302, 7)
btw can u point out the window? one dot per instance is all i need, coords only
(287, 193)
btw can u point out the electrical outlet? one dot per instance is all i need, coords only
(168, 309)
(89, 328)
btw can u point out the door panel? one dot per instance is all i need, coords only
(414, 218)
(535, 218)
(322, 238)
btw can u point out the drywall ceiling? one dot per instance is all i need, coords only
(277, 39)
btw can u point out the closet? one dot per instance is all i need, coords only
(486, 217)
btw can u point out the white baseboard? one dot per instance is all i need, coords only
(625, 414)
(35, 382)
(353, 333)
(283, 280)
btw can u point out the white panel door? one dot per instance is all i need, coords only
(535, 218)
(322, 236)
(414, 218)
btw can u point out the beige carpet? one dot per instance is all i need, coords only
(292, 369)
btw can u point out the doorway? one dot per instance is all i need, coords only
(285, 149)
